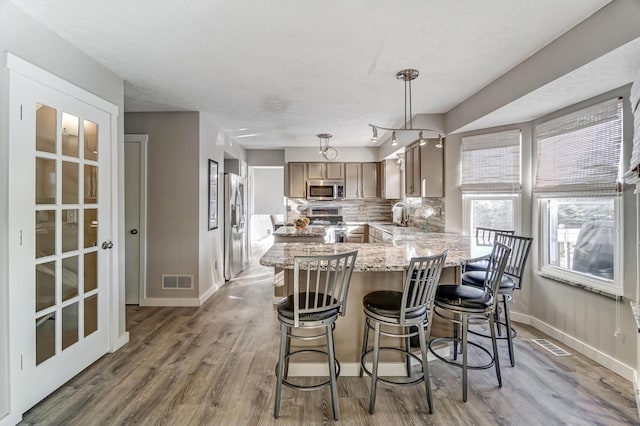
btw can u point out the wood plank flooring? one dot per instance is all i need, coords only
(214, 365)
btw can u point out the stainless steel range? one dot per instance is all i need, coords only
(331, 218)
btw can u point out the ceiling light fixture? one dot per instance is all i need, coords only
(407, 76)
(328, 152)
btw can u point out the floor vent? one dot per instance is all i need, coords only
(551, 347)
(177, 282)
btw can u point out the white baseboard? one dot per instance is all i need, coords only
(636, 391)
(585, 349)
(11, 419)
(122, 340)
(182, 301)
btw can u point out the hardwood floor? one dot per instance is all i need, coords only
(215, 365)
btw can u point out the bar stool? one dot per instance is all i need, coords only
(484, 237)
(406, 310)
(511, 280)
(463, 305)
(320, 289)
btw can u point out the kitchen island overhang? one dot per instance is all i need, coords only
(379, 266)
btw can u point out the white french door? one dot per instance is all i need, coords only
(60, 227)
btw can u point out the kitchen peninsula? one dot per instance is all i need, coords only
(379, 266)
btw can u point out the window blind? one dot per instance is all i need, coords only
(633, 175)
(491, 162)
(580, 151)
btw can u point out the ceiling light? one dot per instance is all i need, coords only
(440, 143)
(324, 141)
(407, 76)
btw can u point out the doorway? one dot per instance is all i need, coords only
(135, 217)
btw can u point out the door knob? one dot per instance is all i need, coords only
(133, 231)
(107, 245)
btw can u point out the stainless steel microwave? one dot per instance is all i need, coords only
(325, 190)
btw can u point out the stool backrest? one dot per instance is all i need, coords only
(420, 285)
(520, 248)
(321, 283)
(487, 236)
(497, 262)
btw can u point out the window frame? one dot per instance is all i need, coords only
(469, 197)
(580, 279)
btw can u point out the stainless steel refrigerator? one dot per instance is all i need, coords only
(234, 225)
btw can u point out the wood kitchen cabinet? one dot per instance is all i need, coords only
(361, 180)
(390, 188)
(325, 171)
(297, 180)
(431, 170)
(412, 168)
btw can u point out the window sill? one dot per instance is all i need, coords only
(611, 294)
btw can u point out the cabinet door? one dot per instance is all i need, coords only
(297, 180)
(316, 171)
(369, 180)
(409, 163)
(335, 170)
(383, 179)
(416, 170)
(390, 180)
(431, 170)
(352, 180)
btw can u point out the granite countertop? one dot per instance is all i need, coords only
(307, 231)
(393, 255)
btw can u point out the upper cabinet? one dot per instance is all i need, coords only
(390, 187)
(424, 170)
(361, 180)
(412, 170)
(297, 180)
(325, 171)
(431, 170)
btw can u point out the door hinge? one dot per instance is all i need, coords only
(21, 237)
(21, 364)
(20, 112)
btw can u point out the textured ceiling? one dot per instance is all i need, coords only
(285, 70)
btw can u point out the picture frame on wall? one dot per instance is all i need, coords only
(213, 195)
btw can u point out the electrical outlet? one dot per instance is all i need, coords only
(362, 208)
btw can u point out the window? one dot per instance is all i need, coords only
(577, 185)
(491, 180)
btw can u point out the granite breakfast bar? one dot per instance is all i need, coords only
(379, 266)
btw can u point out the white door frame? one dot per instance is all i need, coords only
(117, 335)
(143, 141)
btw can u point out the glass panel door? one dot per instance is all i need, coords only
(59, 206)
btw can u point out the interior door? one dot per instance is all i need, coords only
(60, 217)
(132, 200)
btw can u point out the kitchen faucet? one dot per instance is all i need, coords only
(404, 217)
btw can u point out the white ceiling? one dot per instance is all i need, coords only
(286, 70)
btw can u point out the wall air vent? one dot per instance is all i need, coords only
(551, 347)
(177, 282)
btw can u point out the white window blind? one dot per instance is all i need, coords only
(491, 162)
(580, 152)
(633, 175)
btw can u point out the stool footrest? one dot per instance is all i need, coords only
(308, 387)
(457, 363)
(410, 380)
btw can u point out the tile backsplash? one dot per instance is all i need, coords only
(379, 211)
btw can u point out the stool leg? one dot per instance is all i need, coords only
(507, 322)
(407, 346)
(464, 325)
(365, 343)
(280, 368)
(496, 356)
(332, 373)
(374, 369)
(496, 317)
(286, 363)
(425, 366)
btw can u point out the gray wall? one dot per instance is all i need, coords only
(24, 37)
(268, 192)
(265, 157)
(172, 196)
